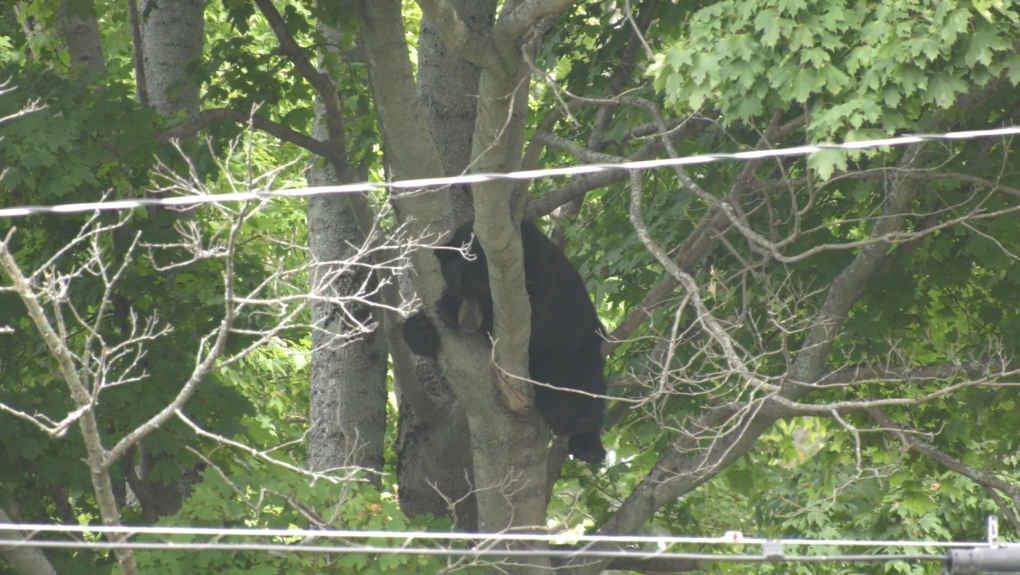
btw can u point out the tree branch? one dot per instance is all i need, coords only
(868, 373)
(205, 364)
(680, 470)
(511, 25)
(337, 152)
(578, 187)
(857, 405)
(980, 477)
(465, 42)
(98, 460)
(699, 242)
(203, 119)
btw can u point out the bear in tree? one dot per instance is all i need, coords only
(566, 333)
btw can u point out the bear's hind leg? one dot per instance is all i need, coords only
(587, 447)
(567, 412)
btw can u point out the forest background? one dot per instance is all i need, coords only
(811, 347)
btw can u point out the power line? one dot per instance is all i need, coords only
(962, 558)
(483, 544)
(585, 553)
(428, 183)
(730, 538)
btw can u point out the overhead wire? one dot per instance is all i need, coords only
(469, 552)
(730, 538)
(431, 183)
(480, 544)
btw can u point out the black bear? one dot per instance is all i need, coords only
(565, 331)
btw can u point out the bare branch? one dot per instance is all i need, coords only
(983, 478)
(737, 364)
(57, 347)
(98, 461)
(324, 474)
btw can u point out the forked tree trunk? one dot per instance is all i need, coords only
(434, 466)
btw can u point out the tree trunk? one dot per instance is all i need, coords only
(348, 387)
(508, 451)
(77, 22)
(448, 89)
(507, 444)
(171, 38)
(434, 466)
(24, 560)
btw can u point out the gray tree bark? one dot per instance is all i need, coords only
(171, 38)
(508, 440)
(77, 22)
(448, 89)
(435, 468)
(433, 446)
(434, 465)
(348, 386)
(24, 560)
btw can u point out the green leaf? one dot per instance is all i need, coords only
(1013, 69)
(746, 73)
(834, 79)
(749, 107)
(984, 7)
(984, 43)
(802, 37)
(859, 57)
(804, 83)
(698, 96)
(827, 162)
(955, 24)
(818, 57)
(742, 46)
(791, 7)
(891, 96)
(742, 480)
(944, 89)
(911, 77)
(767, 22)
(919, 503)
(677, 58)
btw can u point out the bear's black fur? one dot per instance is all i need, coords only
(566, 333)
